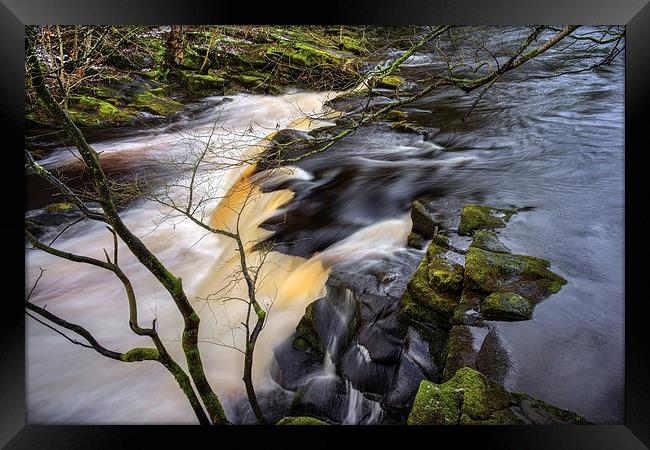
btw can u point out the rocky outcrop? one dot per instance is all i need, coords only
(433, 292)
(506, 306)
(470, 398)
(479, 217)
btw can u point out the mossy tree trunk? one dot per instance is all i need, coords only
(174, 47)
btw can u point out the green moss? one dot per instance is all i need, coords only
(423, 218)
(445, 276)
(481, 396)
(527, 276)
(460, 351)
(60, 207)
(468, 392)
(213, 405)
(155, 103)
(156, 74)
(415, 240)
(90, 111)
(300, 56)
(419, 311)
(141, 354)
(307, 337)
(432, 293)
(198, 82)
(101, 92)
(469, 299)
(391, 82)
(300, 420)
(192, 59)
(435, 404)
(471, 398)
(353, 45)
(396, 115)
(478, 217)
(501, 417)
(155, 47)
(422, 292)
(406, 127)
(507, 306)
(488, 240)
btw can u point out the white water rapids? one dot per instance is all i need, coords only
(70, 384)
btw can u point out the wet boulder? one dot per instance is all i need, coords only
(479, 217)
(415, 240)
(526, 276)
(506, 306)
(488, 240)
(493, 358)
(324, 397)
(307, 337)
(460, 351)
(300, 420)
(470, 398)
(382, 347)
(433, 292)
(423, 218)
(365, 375)
(328, 323)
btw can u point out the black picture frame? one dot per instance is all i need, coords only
(635, 14)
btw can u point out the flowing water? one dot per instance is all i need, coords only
(553, 144)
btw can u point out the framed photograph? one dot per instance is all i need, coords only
(393, 221)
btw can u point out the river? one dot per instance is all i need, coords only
(553, 144)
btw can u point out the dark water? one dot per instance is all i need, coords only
(551, 144)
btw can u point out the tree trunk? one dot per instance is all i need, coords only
(174, 46)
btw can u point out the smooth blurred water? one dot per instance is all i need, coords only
(553, 144)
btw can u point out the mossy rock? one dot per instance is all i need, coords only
(193, 60)
(441, 303)
(202, 83)
(470, 398)
(467, 392)
(527, 276)
(460, 351)
(479, 217)
(391, 82)
(90, 111)
(467, 310)
(423, 218)
(307, 337)
(507, 306)
(415, 240)
(433, 291)
(300, 420)
(154, 101)
(435, 404)
(488, 240)
(445, 276)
